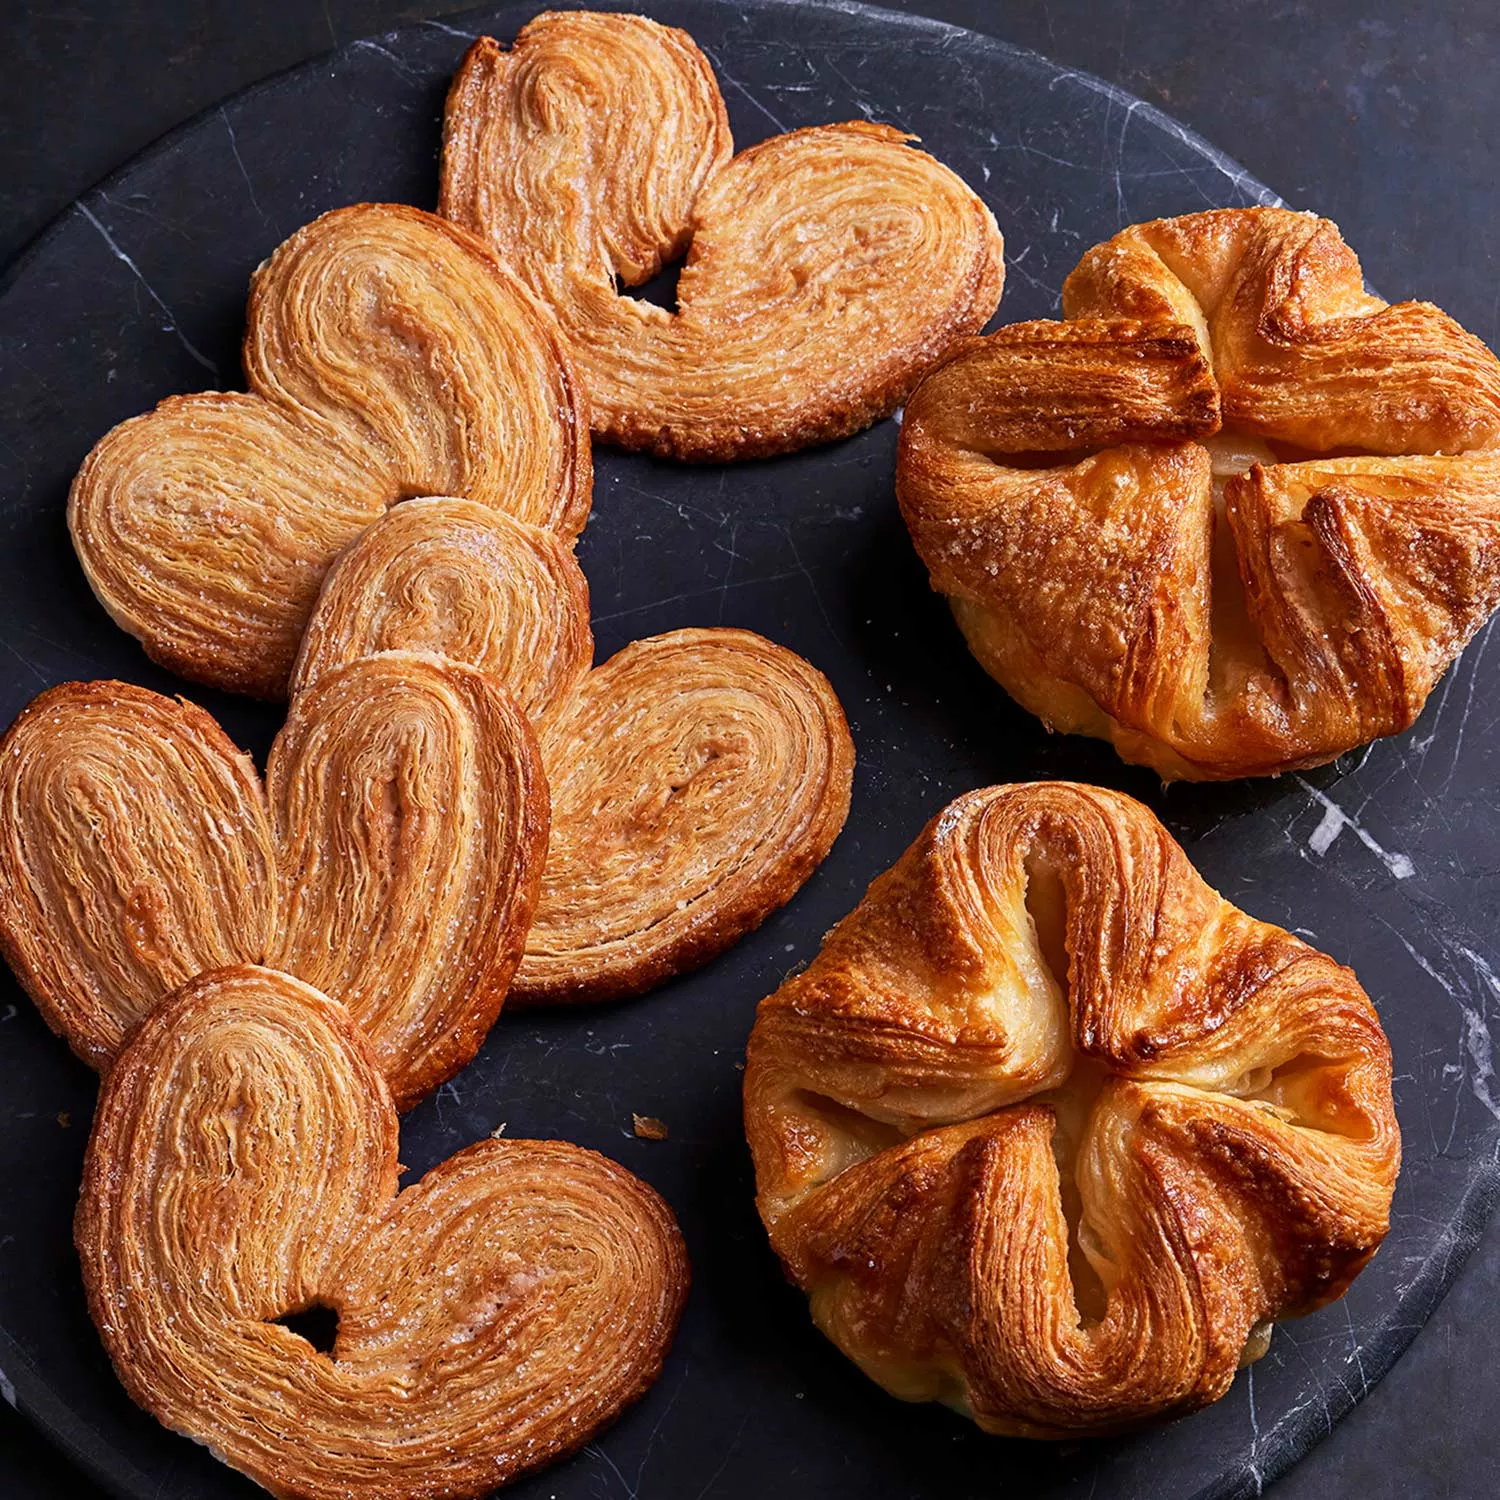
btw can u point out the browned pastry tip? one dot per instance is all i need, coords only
(1051, 1132)
(135, 852)
(410, 818)
(697, 780)
(825, 268)
(388, 355)
(242, 1168)
(1234, 514)
(461, 580)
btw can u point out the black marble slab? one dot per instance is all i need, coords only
(138, 293)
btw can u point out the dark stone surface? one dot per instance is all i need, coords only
(1384, 124)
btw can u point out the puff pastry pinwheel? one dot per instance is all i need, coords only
(397, 863)
(1052, 1133)
(1234, 514)
(242, 1168)
(824, 268)
(388, 355)
(460, 580)
(697, 779)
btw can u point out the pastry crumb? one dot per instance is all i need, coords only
(498, 1131)
(649, 1128)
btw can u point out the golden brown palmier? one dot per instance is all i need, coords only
(1051, 1132)
(460, 580)
(135, 852)
(1234, 515)
(824, 269)
(242, 1168)
(697, 779)
(410, 818)
(388, 355)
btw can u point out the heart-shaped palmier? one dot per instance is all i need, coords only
(242, 1168)
(825, 268)
(1051, 1132)
(697, 779)
(410, 819)
(135, 852)
(464, 581)
(1233, 513)
(398, 867)
(388, 355)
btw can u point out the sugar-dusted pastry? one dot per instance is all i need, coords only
(697, 780)
(410, 820)
(824, 268)
(388, 355)
(465, 581)
(242, 1170)
(135, 852)
(1234, 514)
(1050, 1132)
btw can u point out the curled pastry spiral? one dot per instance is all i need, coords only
(242, 1167)
(135, 852)
(388, 355)
(824, 268)
(1051, 1132)
(461, 580)
(410, 817)
(697, 779)
(1234, 514)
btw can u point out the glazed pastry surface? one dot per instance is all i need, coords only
(824, 269)
(1051, 1132)
(697, 779)
(242, 1168)
(388, 355)
(1233, 514)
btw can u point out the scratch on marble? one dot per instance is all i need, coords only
(234, 147)
(740, 89)
(1333, 823)
(467, 36)
(398, 62)
(595, 1451)
(172, 325)
(1254, 1459)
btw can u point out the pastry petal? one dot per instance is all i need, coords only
(461, 580)
(135, 852)
(410, 819)
(697, 779)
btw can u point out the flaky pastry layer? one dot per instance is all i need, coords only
(1051, 1132)
(1234, 514)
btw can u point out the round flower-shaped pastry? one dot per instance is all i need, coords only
(1051, 1132)
(1233, 514)
(262, 1287)
(824, 269)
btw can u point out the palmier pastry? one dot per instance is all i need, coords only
(824, 268)
(1052, 1133)
(242, 1170)
(410, 819)
(1235, 514)
(388, 355)
(461, 580)
(135, 852)
(397, 866)
(697, 780)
